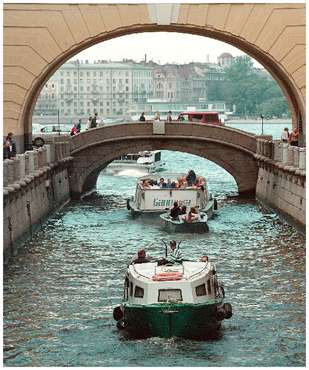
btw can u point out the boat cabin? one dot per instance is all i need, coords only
(150, 197)
(141, 157)
(189, 282)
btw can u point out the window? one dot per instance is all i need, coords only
(169, 295)
(131, 289)
(200, 290)
(139, 292)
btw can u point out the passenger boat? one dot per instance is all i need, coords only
(146, 161)
(180, 225)
(172, 300)
(153, 200)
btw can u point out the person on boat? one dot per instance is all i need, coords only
(142, 117)
(162, 183)
(183, 210)
(141, 257)
(191, 178)
(175, 211)
(175, 255)
(191, 216)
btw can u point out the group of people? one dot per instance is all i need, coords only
(9, 147)
(175, 255)
(290, 137)
(182, 182)
(157, 117)
(177, 211)
(93, 122)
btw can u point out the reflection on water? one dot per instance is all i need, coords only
(60, 289)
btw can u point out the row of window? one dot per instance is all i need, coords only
(172, 294)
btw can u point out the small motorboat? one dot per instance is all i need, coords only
(180, 225)
(146, 161)
(180, 299)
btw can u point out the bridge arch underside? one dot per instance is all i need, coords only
(273, 34)
(89, 162)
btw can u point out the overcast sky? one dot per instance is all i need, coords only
(161, 47)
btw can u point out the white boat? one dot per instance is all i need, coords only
(146, 161)
(172, 300)
(150, 200)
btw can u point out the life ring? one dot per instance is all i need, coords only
(167, 276)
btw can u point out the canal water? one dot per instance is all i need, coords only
(60, 289)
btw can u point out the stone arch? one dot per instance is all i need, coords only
(38, 38)
(232, 149)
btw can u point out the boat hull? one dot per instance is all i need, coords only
(196, 321)
(184, 227)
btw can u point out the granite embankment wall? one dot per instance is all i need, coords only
(281, 180)
(35, 184)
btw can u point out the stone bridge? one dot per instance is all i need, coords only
(232, 149)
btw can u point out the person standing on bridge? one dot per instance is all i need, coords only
(285, 135)
(94, 120)
(9, 147)
(169, 116)
(79, 126)
(142, 117)
(293, 139)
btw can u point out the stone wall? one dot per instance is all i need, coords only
(281, 180)
(35, 184)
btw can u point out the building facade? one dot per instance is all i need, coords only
(80, 88)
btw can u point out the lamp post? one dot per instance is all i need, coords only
(262, 117)
(77, 63)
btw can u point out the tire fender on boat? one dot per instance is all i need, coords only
(215, 204)
(228, 310)
(128, 204)
(117, 313)
(121, 324)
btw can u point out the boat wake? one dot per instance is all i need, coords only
(131, 173)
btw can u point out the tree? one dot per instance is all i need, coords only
(251, 90)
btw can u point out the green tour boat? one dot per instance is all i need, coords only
(172, 300)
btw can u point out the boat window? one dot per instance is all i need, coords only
(139, 292)
(169, 295)
(197, 117)
(209, 286)
(200, 290)
(131, 289)
(158, 157)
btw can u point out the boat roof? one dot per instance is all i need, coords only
(190, 270)
(142, 152)
(200, 112)
(165, 175)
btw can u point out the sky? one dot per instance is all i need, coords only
(161, 47)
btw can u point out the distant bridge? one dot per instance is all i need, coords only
(232, 149)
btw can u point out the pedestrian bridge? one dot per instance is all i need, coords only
(232, 149)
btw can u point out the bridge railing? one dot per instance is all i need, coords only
(282, 152)
(32, 162)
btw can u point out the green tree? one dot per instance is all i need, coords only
(252, 92)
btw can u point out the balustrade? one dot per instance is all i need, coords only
(27, 163)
